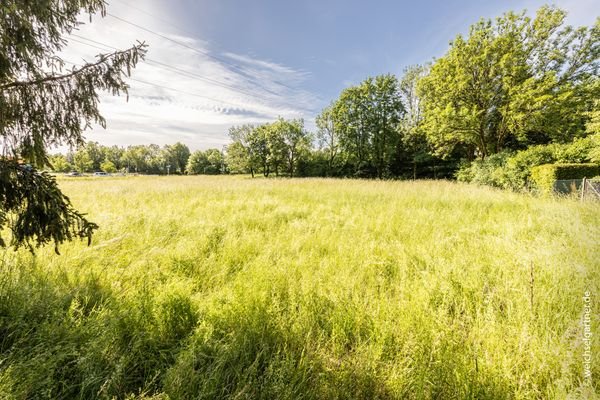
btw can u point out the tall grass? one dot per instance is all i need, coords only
(225, 287)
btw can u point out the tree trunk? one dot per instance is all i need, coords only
(414, 169)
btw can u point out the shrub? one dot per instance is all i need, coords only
(108, 166)
(517, 172)
(595, 150)
(485, 172)
(513, 171)
(578, 151)
(544, 176)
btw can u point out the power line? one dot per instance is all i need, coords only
(177, 70)
(239, 106)
(219, 59)
(170, 23)
(173, 68)
(183, 91)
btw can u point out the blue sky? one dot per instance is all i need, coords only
(251, 61)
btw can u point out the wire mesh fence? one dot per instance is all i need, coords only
(588, 189)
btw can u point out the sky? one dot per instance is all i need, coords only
(214, 64)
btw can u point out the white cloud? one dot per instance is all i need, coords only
(195, 93)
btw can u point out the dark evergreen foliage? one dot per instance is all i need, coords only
(35, 209)
(44, 104)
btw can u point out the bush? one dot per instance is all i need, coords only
(544, 176)
(595, 150)
(513, 171)
(578, 151)
(517, 172)
(108, 166)
(485, 172)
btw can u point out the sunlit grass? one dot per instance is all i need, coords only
(228, 287)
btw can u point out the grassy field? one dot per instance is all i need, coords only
(228, 287)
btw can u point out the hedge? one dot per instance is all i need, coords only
(545, 176)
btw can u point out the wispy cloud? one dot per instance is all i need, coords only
(188, 93)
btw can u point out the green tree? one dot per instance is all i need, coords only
(177, 156)
(197, 163)
(114, 154)
(156, 160)
(277, 149)
(134, 158)
(412, 118)
(96, 153)
(209, 162)
(259, 149)
(367, 118)
(296, 141)
(82, 161)
(414, 142)
(509, 78)
(216, 161)
(240, 154)
(59, 163)
(237, 159)
(108, 166)
(328, 137)
(44, 104)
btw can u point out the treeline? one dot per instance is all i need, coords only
(516, 92)
(144, 159)
(150, 159)
(365, 133)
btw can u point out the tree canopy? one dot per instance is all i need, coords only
(367, 118)
(510, 79)
(273, 147)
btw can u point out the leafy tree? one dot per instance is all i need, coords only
(328, 136)
(177, 156)
(45, 104)
(82, 161)
(314, 163)
(410, 99)
(240, 154)
(367, 118)
(114, 154)
(509, 78)
(59, 163)
(108, 166)
(197, 163)
(414, 142)
(96, 154)
(277, 149)
(156, 160)
(134, 158)
(259, 149)
(209, 162)
(238, 159)
(296, 141)
(215, 160)
(595, 151)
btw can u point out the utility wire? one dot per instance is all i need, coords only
(230, 104)
(177, 70)
(173, 68)
(219, 59)
(170, 23)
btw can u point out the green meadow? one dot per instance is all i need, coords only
(238, 288)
